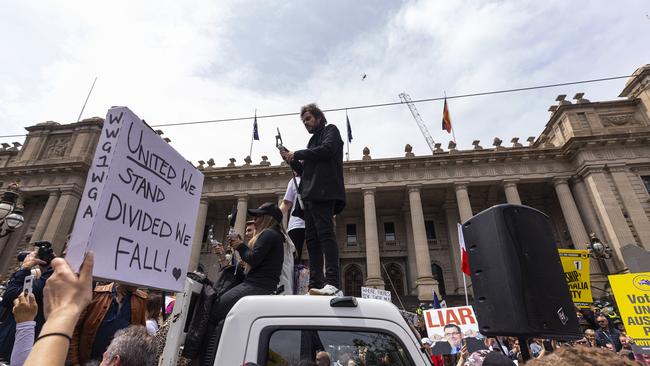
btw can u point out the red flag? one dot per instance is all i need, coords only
(446, 118)
(464, 260)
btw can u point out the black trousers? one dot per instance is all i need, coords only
(297, 236)
(321, 241)
(220, 309)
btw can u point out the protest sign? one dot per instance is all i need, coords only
(448, 327)
(139, 206)
(632, 293)
(411, 318)
(374, 293)
(576, 271)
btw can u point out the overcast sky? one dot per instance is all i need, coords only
(178, 61)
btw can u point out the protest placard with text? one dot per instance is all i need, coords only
(449, 327)
(632, 294)
(575, 263)
(374, 293)
(139, 207)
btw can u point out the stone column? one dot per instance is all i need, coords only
(570, 211)
(62, 218)
(464, 206)
(425, 282)
(373, 261)
(197, 239)
(510, 188)
(46, 215)
(608, 210)
(242, 207)
(631, 203)
(454, 246)
(410, 249)
(586, 208)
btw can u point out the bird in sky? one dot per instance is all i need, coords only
(363, 77)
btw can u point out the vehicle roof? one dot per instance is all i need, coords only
(251, 307)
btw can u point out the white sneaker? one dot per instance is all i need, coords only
(328, 290)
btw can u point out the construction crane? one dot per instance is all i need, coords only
(405, 98)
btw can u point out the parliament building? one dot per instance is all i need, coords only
(589, 171)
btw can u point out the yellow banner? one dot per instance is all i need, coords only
(632, 293)
(576, 271)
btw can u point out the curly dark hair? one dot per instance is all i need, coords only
(315, 111)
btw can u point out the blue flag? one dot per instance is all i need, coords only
(349, 128)
(436, 301)
(256, 136)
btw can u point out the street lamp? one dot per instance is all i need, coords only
(600, 251)
(11, 210)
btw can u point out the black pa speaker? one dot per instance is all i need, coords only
(517, 277)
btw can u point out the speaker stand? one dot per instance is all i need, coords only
(523, 346)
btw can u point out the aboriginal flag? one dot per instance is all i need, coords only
(446, 118)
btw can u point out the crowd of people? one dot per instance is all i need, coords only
(69, 318)
(604, 333)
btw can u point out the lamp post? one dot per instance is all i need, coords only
(600, 251)
(11, 210)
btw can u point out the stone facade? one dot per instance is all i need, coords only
(589, 171)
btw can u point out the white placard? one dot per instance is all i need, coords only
(139, 207)
(373, 293)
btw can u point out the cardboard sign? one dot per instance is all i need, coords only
(373, 293)
(576, 271)
(449, 327)
(411, 318)
(632, 293)
(139, 206)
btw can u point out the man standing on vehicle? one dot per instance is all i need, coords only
(323, 193)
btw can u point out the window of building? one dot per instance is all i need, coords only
(353, 281)
(351, 234)
(430, 229)
(389, 232)
(295, 346)
(646, 181)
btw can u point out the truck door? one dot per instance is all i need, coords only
(290, 341)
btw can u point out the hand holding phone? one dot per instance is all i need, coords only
(28, 285)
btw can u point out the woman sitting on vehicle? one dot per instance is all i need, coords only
(263, 256)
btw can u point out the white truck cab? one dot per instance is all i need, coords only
(288, 330)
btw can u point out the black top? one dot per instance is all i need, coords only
(265, 259)
(322, 167)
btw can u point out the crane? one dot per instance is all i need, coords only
(405, 98)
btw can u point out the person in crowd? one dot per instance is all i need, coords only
(515, 351)
(291, 206)
(132, 346)
(590, 335)
(572, 356)
(31, 264)
(323, 193)
(323, 358)
(263, 255)
(536, 347)
(113, 307)
(607, 334)
(24, 311)
(154, 310)
(626, 347)
(65, 296)
(498, 359)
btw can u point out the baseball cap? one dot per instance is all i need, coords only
(268, 208)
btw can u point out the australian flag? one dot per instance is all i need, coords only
(349, 128)
(256, 135)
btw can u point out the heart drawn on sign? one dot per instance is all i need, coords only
(176, 272)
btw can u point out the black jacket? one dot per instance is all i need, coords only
(265, 259)
(322, 167)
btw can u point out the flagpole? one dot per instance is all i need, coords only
(250, 152)
(87, 97)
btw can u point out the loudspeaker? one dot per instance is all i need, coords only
(517, 277)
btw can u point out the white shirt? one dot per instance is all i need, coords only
(292, 196)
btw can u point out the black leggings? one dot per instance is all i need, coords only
(297, 236)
